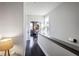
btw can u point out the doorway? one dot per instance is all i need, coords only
(34, 29)
(32, 48)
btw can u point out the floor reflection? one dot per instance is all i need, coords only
(33, 49)
(31, 42)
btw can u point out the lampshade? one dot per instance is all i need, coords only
(0, 36)
(6, 44)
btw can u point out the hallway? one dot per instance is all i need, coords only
(58, 28)
(33, 49)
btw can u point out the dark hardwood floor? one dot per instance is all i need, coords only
(35, 50)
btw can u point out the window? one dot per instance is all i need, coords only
(46, 25)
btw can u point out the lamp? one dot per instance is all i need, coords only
(0, 36)
(5, 45)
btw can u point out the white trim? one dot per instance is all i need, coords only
(45, 52)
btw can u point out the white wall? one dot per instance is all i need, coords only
(64, 21)
(11, 23)
(63, 24)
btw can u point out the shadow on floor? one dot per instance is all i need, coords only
(35, 50)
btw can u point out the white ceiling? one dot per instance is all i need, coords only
(39, 8)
